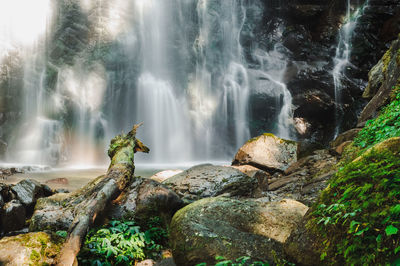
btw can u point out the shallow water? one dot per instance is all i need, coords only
(78, 177)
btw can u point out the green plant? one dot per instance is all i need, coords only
(119, 243)
(359, 214)
(386, 125)
(221, 261)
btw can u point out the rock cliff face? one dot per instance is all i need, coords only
(310, 37)
(83, 50)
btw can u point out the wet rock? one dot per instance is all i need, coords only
(28, 191)
(305, 179)
(163, 175)
(47, 191)
(345, 136)
(208, 180)
(304, 244)
(61, 190)
(340, 149)
(5, 192)
(1, 202)
(146, 198)
(30, 249)
(13, 216)
(231, 228)
(267, 152)
(49, 214)
(388, 69)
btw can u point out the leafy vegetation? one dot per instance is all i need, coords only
(122, 243)
(359, 214)
(387, 125)
(221, 261)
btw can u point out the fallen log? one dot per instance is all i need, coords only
(92, 200)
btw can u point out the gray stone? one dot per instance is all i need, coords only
(13, 216)
(144, 199)
(208, 180)
(232, 228)
(28, 191)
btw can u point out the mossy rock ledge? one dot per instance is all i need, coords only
(232, 228)
(370, 182)
(30, 249)
(267, 152)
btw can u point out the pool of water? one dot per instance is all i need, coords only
(73, 178)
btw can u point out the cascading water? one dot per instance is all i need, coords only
(176, 65)
(342, 57)
(273, 68)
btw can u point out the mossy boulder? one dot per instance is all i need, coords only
(267, 152)
(144, 199)
(209, 180)
(232, 228)
(356, 219)
(382, 78)
(30, 249)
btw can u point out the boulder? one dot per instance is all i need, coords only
(348, 135)
(146, 198)
(30, 249)
(232, 228)
(388, 71)
(305, 179)
(5, 192)
(267, 152)
(163, 175)
(304, 244)
(28, 191)
(49, 214)
(13, 216)
(208, 180)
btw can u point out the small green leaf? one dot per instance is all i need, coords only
(391, 230)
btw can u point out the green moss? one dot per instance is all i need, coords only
(43, 246)
(386, 60)
(398, 57)
(359, 206)
(273, 136)
(387, 125)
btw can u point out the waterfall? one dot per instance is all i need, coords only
(177, 65)
(342, 57)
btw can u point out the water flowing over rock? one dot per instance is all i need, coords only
(206, 75)
(267, 152)
(231, 228)
(208, 180)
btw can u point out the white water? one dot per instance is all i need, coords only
(342, 57)
(179, 67)
(273, 68)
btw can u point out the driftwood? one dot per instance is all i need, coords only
(93, 199)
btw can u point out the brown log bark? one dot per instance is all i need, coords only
(119, 174)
